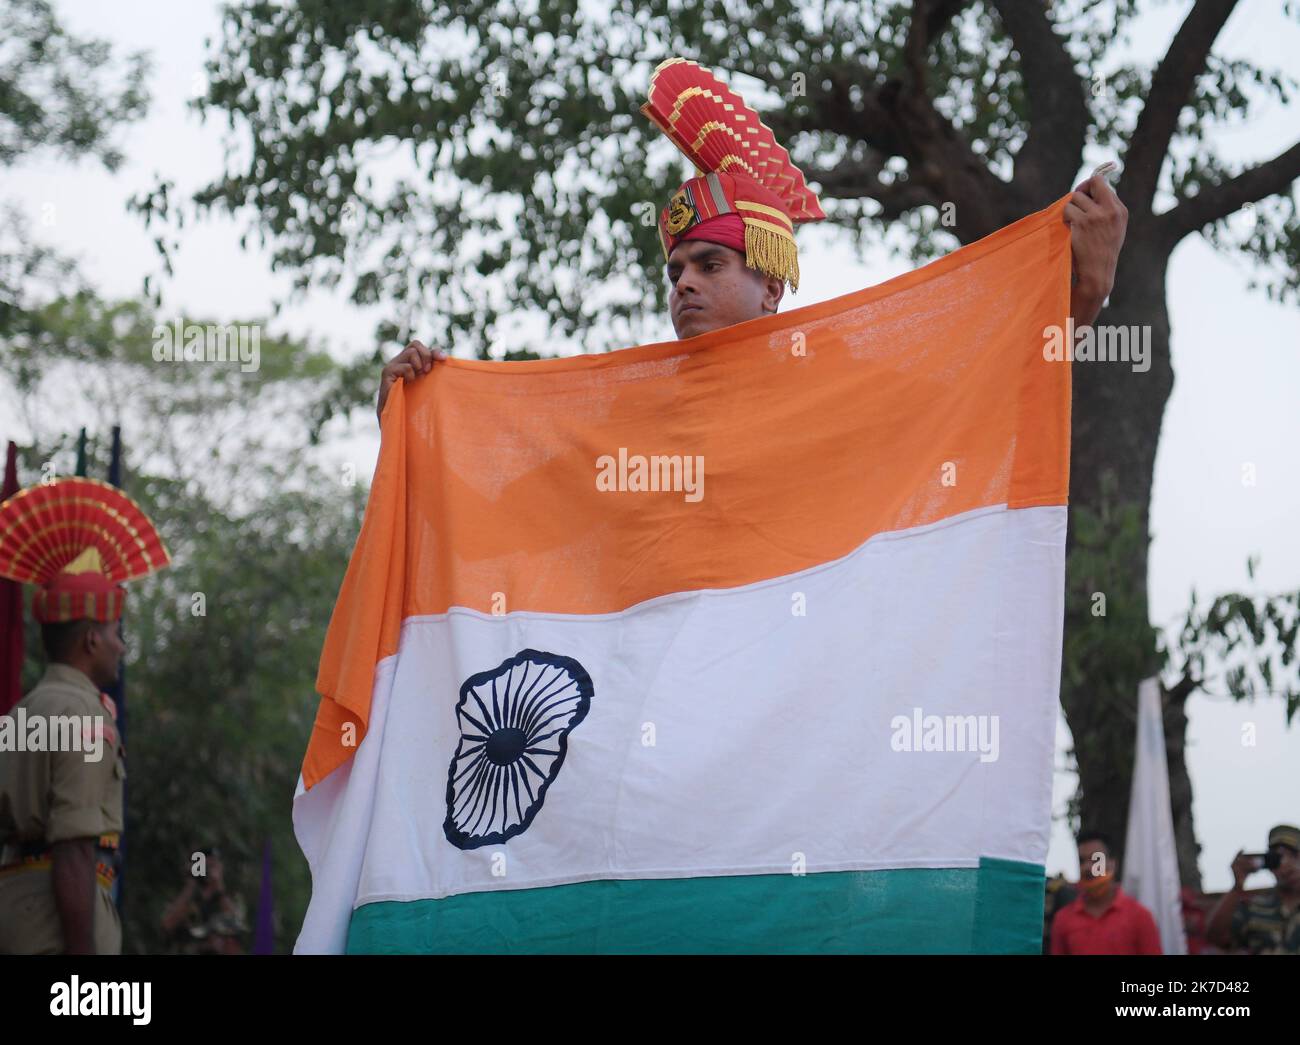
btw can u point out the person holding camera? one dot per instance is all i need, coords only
(204, 918)
(1268, 923)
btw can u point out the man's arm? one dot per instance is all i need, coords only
(74, 893)
(77, 790)
(178, 910)
(1219, 928)
(1098, 221)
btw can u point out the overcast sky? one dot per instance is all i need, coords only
(1236, 359)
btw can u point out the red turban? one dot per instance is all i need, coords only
(748, 195)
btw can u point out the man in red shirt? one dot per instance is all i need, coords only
(1103, 919)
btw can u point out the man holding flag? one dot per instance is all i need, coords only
(717, 726)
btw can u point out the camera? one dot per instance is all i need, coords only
(1269, 861)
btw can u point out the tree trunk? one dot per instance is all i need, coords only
(1117, 415)
(1180, 791)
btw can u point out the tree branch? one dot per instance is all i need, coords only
(1183, 689)
(1058, 112)
(917, 44)
(854, 179)
(1257, 183)
(939, 13)
(833, 109)
(1171, 84)
(875, 120)
(898, 118)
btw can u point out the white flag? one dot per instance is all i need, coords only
(1150, 857)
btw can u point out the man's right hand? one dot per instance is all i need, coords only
(1243, 867)
(415, 359)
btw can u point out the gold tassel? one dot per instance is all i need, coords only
(772, 254)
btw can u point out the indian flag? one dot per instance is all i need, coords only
(744, 643)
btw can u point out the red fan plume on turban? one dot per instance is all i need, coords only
(78, 539)
(748, 195)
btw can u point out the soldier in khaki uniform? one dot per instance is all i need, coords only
(62, 767)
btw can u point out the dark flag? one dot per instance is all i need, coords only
(11, 610)
(117, 691)
(81, 454)
(264, 931)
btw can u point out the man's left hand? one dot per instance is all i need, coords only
(1097, 221)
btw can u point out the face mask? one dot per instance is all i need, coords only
(1097, 888)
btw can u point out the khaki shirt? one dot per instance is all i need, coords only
(53, 796)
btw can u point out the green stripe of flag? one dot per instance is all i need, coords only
(996, 908)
